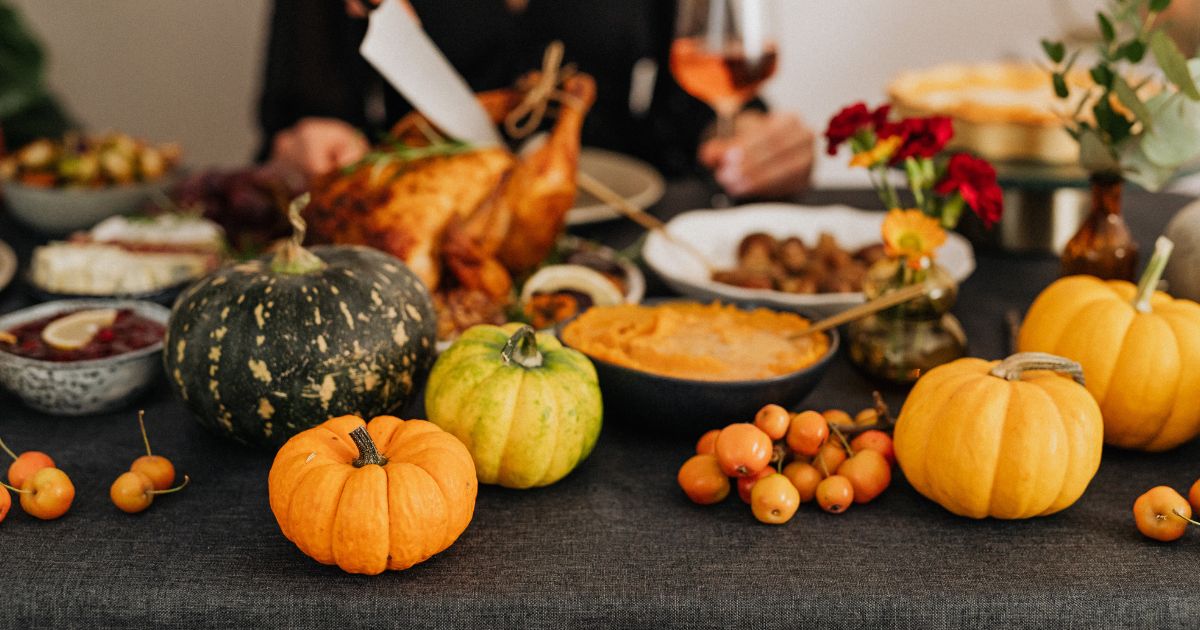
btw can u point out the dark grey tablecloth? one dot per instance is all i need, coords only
(615, 544)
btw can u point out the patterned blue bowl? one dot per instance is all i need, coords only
(80, 388)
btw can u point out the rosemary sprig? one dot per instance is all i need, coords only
(396, 151)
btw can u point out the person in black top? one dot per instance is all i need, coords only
(322, 103)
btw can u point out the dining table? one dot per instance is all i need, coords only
(616, 543)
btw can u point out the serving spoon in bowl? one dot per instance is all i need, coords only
(885, 301)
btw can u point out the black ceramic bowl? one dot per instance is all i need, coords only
(667, 404)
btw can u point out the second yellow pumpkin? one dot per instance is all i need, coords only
(1142, 365)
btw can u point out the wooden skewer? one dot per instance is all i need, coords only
(887, 300)
(637, 215)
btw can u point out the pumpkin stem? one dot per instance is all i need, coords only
(1154, 271)
(1012, 368)
(292, 257)
(522, 349)
(367, 453)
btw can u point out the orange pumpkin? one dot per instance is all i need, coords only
(1007, 439)
(1139, 348)
(369, 497)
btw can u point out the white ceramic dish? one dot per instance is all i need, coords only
(716, 234)
(81, 388)
(627, 176)
(8, 264)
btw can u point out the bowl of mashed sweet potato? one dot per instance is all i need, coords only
(684, 366)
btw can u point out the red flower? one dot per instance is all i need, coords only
(879, 117)
(850, 121)
(845, 124)
(923, 137)
(975, 180)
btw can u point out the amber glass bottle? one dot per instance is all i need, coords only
(1103, 246)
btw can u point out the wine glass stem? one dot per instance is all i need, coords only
(725, 122)
(724, 131)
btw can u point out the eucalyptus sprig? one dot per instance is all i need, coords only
(1144, 140)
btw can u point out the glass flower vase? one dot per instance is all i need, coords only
(901, 343)
(1103, 246)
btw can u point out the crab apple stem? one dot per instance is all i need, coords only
(824, 468)
(1176, 512)
(841, 438)
(14, 489)
(186, 480)
(7, 450)
(142, 424)
(882, 413)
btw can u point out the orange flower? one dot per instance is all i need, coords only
(878, 154)
(911, 234)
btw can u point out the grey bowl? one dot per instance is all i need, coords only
(60, 211)
(80, 388)
(666, 404)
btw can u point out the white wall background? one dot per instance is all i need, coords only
(160, 69)
(188, 70)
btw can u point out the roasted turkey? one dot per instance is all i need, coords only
(467, 222)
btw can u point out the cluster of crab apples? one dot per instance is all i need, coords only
(46, 492)
(782, 460)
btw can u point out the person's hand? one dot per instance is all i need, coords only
(769, 155)
(360, 9)
(315, 146)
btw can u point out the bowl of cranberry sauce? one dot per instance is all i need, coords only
(128, 332)
(99, 356)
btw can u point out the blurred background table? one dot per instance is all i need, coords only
(615, 544)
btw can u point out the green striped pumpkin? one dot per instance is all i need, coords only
(527, 408)
(262, 350)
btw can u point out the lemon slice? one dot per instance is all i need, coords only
(573, 278)
(78, 329)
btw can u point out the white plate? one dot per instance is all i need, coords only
(8, 264)
(716, 234)
(629, 177)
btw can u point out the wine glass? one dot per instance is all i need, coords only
(722, 53)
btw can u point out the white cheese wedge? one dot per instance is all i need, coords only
(98, 269)
(168, 230)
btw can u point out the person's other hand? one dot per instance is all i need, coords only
(315, 146)
(769, 155)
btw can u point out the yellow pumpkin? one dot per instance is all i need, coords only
(1139, 348)
(1007, 439)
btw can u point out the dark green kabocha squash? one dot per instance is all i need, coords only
(262, 350)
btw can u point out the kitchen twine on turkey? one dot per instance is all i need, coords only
(540, 90)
